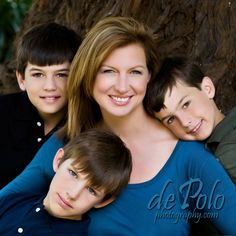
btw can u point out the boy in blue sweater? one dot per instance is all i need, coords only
(91, 170)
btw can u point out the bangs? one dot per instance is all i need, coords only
(110, 182)
(49, 55)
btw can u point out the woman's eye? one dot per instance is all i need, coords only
(136, 72)
(72, 173)
(92, 191)
(108, 71)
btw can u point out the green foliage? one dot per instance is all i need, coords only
(12, 13)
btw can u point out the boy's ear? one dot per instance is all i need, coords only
(20, 80)
(104, 203)
(57, 159)
(208, 87)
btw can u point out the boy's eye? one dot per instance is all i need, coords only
(170, 120)
(62, 75)
(37, 75)
(186, 104)
(92, 191)
(73, 173)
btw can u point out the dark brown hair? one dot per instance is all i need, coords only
(46, 44)
(173, 69)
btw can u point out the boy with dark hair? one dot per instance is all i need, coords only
(181, 97)
(91, 170)
(28, 118)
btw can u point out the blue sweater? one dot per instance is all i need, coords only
(192, 184)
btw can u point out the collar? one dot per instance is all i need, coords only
(64, 225)
(224, 127)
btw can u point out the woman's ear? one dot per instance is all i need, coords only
(104, 203)
(57, 159)
(208, 87)
(20, 80)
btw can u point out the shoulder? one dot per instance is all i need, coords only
(54, 140)
(190, 147)
(10, 96)
(191, 152)
(232, 112)
(11, 99)
(229, 121)
(47, 152)
(225, 131)
(8, 201)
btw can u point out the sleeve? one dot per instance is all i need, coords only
(226, 152)
(38, 174)
(215, 194)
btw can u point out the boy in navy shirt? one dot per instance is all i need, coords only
(28, 118)
(91, 170)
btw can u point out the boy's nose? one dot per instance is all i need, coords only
(185, 121)
(50, 83)
(75, 191)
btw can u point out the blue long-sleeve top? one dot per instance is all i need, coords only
(192, 184)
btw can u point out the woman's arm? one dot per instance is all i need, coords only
(38, 174)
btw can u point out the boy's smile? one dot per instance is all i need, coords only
(46, 86)
(190, 113)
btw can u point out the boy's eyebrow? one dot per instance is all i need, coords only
(63, 69)
(178, 104)
(39, 69)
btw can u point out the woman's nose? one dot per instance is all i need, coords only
(122, 83)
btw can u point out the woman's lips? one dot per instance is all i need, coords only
(120, 101)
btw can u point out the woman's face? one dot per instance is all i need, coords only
(120, 84)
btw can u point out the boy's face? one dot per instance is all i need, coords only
(190, 113)
(69, 195)
(46, 87)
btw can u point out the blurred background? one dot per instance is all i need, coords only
(12, 13)
(203, 30)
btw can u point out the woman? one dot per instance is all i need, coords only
(170, 182)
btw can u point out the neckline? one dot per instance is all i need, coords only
(161, 172)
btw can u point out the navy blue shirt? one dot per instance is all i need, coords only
(22, 134)
(22, 214)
